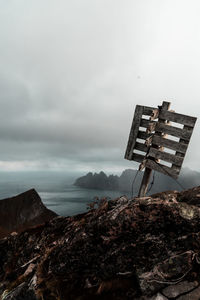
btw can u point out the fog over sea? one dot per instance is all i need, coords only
(56, 190)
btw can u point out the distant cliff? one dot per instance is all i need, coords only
(23, 211)
(188, 178)
(98, 181)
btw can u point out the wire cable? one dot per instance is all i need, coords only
(152, 183)
(153, 180)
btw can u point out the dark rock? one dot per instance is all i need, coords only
(191, 196)
(183, 287)
(22, 212)
(194, 295)
(21, 292)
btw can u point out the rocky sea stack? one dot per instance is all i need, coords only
(141, 248)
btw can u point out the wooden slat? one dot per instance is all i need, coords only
(134, 131)
(165, 106)
(182, 142)
(173, 145)
(147, 111)
(174, 131)
(146, 123)
(143, 135)
(174, 159)
(137, 157)
(163, 169)
(141, 147)
(178, 118)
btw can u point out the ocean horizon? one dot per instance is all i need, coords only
(55, 188)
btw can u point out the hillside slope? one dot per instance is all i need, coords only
(143, 248)
(22, 211)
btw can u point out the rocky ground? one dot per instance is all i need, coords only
(143, 248)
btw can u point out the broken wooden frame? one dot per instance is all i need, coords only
(156, 143)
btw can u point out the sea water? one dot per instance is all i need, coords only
(56, 190)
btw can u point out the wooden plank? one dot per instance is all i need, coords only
(163, 169)
(141, 147)
(182, 142)
(147, 111)
(174, 131)
(146, 123)
(174, 159)
(134, 131)
(178, 118)
(150, 128)
(166, 105)
(155, 114)
(173, 145)
(151, 163)
(143, 135)
(137, 157)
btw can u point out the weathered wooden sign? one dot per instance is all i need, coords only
(157, 143)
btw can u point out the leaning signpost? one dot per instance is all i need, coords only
(157, 143)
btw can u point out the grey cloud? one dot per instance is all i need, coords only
(72, 72)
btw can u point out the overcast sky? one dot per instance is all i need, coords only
(71, 73)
